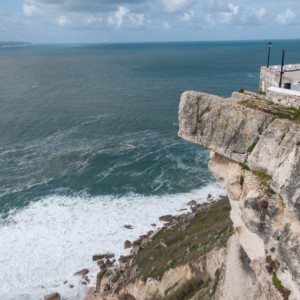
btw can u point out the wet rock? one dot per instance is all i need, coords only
(82, 272)
(135, 250)
(166, 218)
(100, 263)
(102, 256)
(52, 296)
(124, 259)
(192, 202)
(127, 244)
(128, 226)
(153, 225)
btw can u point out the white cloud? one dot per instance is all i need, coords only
(286, 18)
(124, 18)
(137, 20)
(166, 26)
(90, 19)
(242, 15)
(63, 21)
(176, 6)
(31, 10)
(217, 6)
(188, 16)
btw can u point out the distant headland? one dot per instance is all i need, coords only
(14, 44)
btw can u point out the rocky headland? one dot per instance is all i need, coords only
(243, 246)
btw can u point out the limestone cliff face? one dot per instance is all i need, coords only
(256, 158)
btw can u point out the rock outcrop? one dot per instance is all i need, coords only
(255, 155)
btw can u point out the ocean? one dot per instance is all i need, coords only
(89, 143)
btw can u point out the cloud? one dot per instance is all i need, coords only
(63, 21)
(188, 16)
(31, 10)
(124, 18)
(242, 15)
(176, 6)
(286, 18)
(166, 26)
(217, 6)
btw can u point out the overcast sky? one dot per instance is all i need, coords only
(80, 21)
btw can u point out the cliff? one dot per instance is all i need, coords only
(246, 246)
(255, 155)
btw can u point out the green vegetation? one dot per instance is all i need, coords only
(261, 93)
(245, 166)
(265, 180)
(209, 229)
(251, 148)
(241, 90)
(278, 111)
(187, 290)
(283, 291)
(263, 176)
(244, 102)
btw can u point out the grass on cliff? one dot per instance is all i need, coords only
(210, 229)
(278, 111)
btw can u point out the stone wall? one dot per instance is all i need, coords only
(288, 98)
(271, 77)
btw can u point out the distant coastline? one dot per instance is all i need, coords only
(14, 44)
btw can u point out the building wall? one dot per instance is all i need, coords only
(270, 78)
(284, 97)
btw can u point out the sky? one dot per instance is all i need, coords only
(95, 21)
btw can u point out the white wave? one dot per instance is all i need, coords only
(44, 244)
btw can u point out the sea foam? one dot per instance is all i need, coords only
(44, 244)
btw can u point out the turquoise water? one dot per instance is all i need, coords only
(94, 124)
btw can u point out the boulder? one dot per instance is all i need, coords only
(52, 296)
(127, 244)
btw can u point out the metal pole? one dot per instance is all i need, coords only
(270, 45)
(282, 64)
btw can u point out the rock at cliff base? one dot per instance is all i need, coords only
(127, 244)
(52, 296)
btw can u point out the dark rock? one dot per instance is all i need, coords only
(124, 259)
(127, 244)
(128, 226)
(71, 286)
(208, 196)
(183, 209)
(52, 296)
(153, 224)
(100, 263)
(136, 243)
(191, 203)
(82, 272)
(102, 256)
(166, 218)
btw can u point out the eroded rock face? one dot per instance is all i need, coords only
(256, 159)
(207, 120)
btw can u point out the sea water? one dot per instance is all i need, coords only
(89, 143)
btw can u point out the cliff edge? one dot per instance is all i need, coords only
(255, 155)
